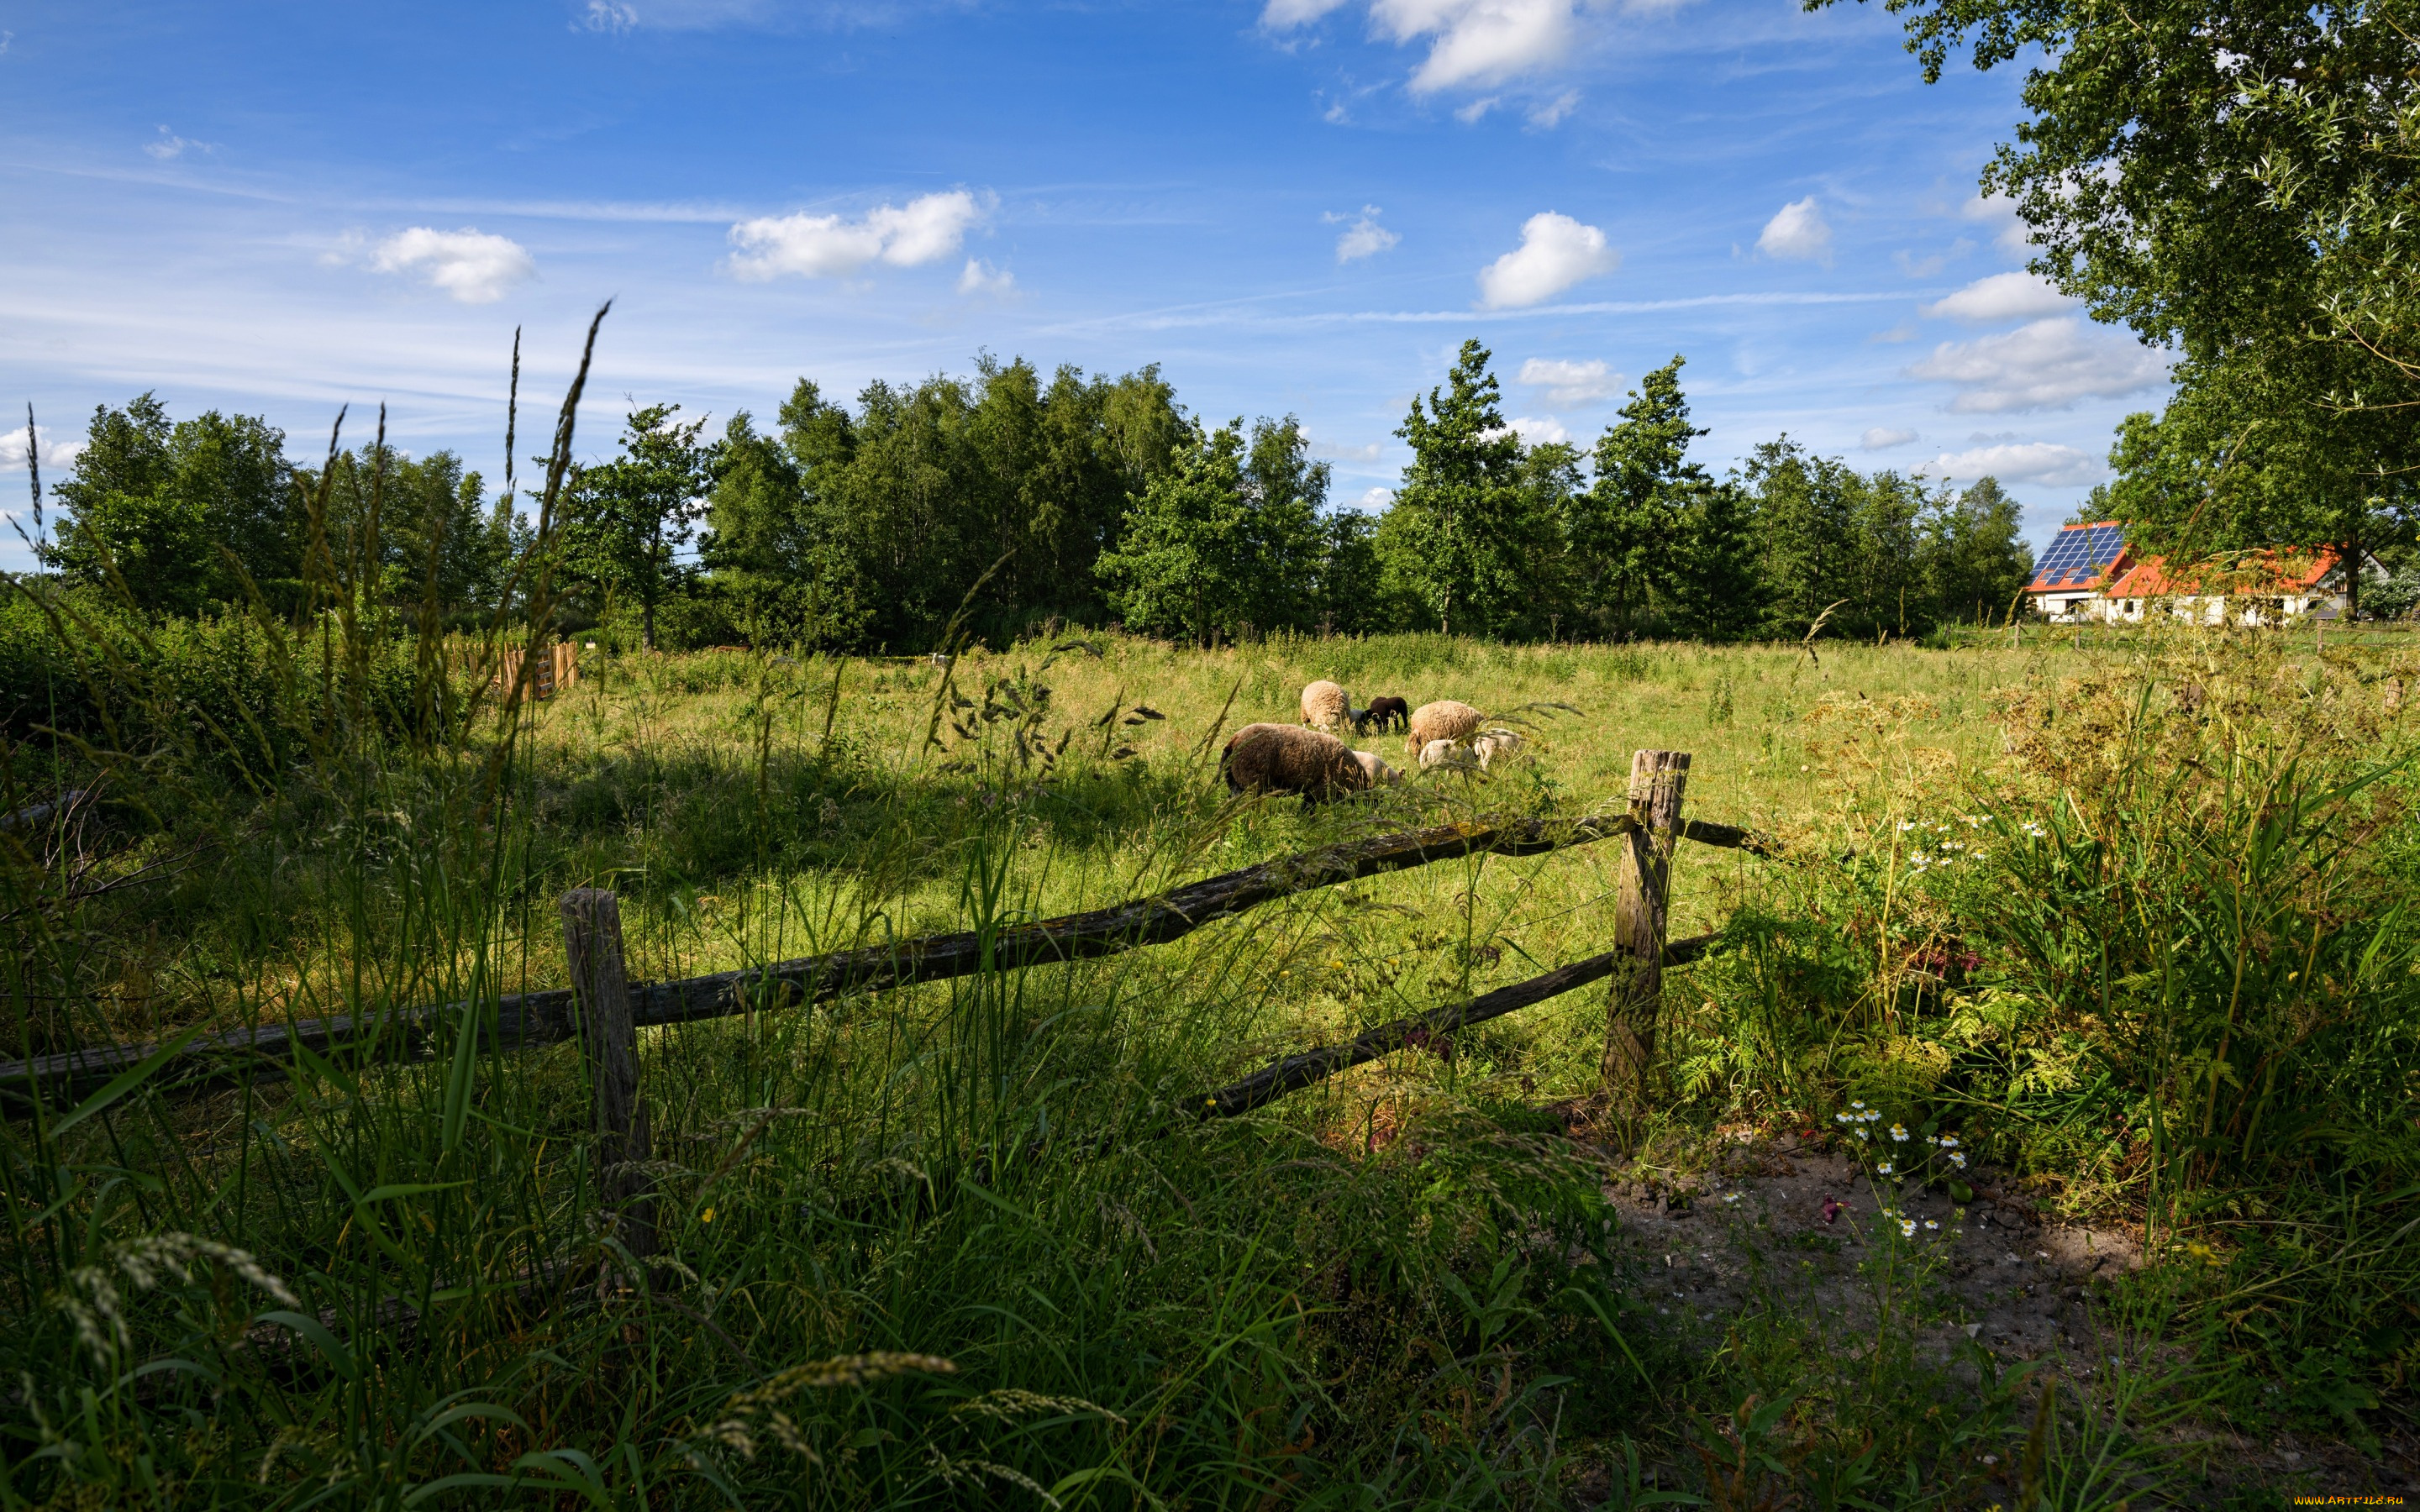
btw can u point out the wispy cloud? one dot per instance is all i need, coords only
(1547, 117)
(1537, 431)
(2000, 297)
(2044, 462)
(929, 228)
(1572, 383)
(1364, 237)
(2049, 364)
(1999, 213)
(168, 146)
(611, 16)
(471, 265)
(1883, 438)
(1556, 253)
(980, 277)
(1799, 232)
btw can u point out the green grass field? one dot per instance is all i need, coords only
(948, 1244)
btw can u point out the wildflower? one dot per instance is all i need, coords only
(1906, 825)
(1860, 1132)
(1948, 1141)
(1930, 1222)
(1831, 1208)
(1907, 1229)
(1884, 1168)
(1840, 1117)
(705, 1217)
(1930, 1140)
(1958, 1159)
(1730, 1196)
(1856, 1104)
(1898, 1133)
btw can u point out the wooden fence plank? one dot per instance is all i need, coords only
(527, 1019)
(591, 944)
(1658, 778)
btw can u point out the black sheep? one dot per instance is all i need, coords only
(1387, 713)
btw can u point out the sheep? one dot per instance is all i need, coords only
(1442, 721)
(1325, 706)
(1379, 773)
(1387, 713)
(1496, 745)
(1444, 755)
(1283, 758)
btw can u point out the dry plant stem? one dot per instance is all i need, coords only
(526, 1019)
(1658, 780)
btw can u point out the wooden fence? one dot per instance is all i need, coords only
(605, 1010)
(554, 669)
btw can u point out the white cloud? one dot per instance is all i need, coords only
(1281, 15)
(168, 146)
(55, 454)
(1376, 500)
(2048, 364)
(468, 264)
(1470, 115)
(1999, 212)
(1882, 438)
(6, 38)
(2000, 297)
(1556, 253)
(1572, 383)
(1364, 237)
(926, 229)
(1547, 117)
(1335, 452)
(1537, 431)
(1797, 230)
(982, 278)
(607, 16)
(2043, 462)
(1478, 42)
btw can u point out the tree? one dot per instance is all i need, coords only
(1718, 592)
(182, 512)
(788, 578)
(1975, 554)
(1349, 597)
(1806, 530)
(1456, 538)
(1228, 539)
(2236, 178)
(629, 516)
(1628, 532)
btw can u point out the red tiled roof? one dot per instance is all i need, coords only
(2263, 573)
(2081, 557)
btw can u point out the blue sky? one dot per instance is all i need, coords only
(1292, 206)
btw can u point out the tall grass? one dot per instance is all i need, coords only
(946, 1245)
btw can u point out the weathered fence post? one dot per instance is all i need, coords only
(591, 942)
(1657, 780)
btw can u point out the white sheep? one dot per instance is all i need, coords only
(1381, 775)
(1496, 745)
(1325, 707)
(1444, 755)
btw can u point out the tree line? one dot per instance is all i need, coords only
(1012, 499)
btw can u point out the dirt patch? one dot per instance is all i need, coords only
(1790, 1221)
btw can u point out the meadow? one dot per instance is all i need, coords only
(2126, 922)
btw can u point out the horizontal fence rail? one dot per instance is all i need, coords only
(526, 1020)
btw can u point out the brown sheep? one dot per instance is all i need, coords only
(1387, 713)
(1442, 721)
(1283, 758)
(1325, 707)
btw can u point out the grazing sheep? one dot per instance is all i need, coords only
(1379, 773)
(1283, 758)
(1325, 707)
(1444, 755)
(1388, 713)
(1494, 745)
(1442, 721)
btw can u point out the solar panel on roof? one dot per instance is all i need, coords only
(2079, 553)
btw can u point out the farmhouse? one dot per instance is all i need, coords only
(2082, 561)
(2089, 574)
(2267, 587)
